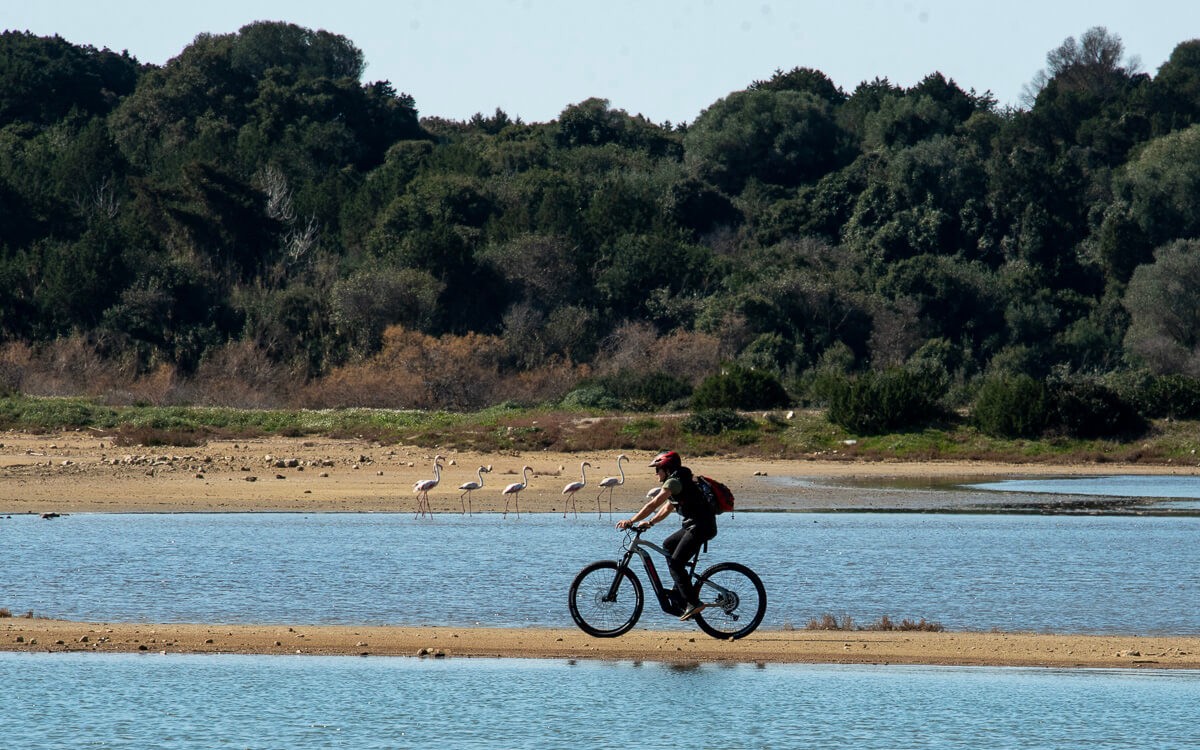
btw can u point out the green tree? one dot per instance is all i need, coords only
(806, 80)
(1162, 187)
(593, 122)
(1176, 89)
(780, 137)
(366, 302)
(45, 79)
(1163, 299)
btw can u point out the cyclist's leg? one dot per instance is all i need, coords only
(683, 545)
(674, 593)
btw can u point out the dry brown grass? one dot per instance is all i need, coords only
(828, 621)
(458, 373)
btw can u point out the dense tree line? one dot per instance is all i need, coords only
(254, 204)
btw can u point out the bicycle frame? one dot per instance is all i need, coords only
(640, 547)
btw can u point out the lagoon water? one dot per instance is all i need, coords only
(1068, 573)
(183, 702)
(1122, 573)
(1176, 493)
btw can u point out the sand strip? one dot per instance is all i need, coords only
(801, 646)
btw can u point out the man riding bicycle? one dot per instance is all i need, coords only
(699, 522)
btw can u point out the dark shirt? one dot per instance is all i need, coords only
(689, 502)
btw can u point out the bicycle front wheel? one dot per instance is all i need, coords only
(736, 601)
(601, 609)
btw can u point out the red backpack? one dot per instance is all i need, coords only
(717, 494)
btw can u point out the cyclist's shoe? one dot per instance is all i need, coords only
(692, 611)
(678, 603)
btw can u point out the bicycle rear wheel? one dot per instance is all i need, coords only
(594, 611)
(736, 600)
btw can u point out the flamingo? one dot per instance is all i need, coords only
(610, 482)
(423, 487)
(469, 487)
(574, 487)
(515, 488)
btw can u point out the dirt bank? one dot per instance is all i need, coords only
(82, 472)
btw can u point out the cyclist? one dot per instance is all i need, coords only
(699, 522)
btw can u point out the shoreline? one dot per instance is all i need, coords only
(78, 472)
(1054, 651)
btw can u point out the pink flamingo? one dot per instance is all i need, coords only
(610, 482)
(423, 487)
(469, 487)
(574, 487)
(514, 489)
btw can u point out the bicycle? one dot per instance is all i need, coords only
(606, 598)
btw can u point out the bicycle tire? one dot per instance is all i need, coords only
(594, 615)
(725, 615)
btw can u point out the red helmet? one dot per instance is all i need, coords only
(668, 460)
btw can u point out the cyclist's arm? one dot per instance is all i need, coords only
(653, 504)
(663, 512)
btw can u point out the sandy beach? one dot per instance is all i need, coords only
(80, 472)
(773, 646)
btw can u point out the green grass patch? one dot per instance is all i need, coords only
(510, 427)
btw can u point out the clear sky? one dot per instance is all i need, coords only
(665, 59)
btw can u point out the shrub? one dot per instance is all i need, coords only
(1174, 397)
(1088, 409)
(590, 397)
(1011, 406)
(874, 403)
(828, 621)
(715, 422)
(740, 388)
(638, 391)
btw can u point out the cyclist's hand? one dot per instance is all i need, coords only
(623, 524)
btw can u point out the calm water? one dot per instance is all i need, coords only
(1077, 573)
(1173, 492)
(176, 701)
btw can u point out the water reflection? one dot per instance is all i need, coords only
(181, 701)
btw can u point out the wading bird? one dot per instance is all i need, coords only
(469, 487)
(423, 487)
(514, 489)
(574, 487)
(608, 483)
